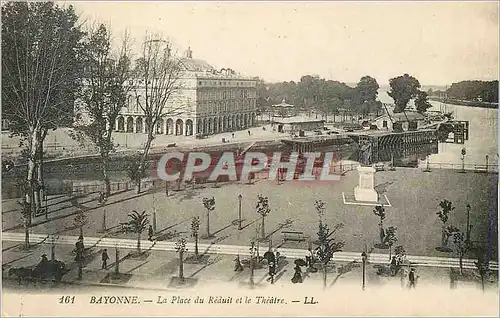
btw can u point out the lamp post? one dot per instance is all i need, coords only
(364, 257)
(463, 159)
(467, 239)
(487, 157)
(239, 211)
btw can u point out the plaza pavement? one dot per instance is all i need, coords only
(156, 268)
(414, 198)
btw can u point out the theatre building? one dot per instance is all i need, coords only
(210, 101)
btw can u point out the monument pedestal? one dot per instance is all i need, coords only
(365, 191)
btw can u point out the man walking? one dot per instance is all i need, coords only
(150, 233)
(105, 258)
(411, 278)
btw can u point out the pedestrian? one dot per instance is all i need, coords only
(237, 265)
(297, 276)
(393, 266)
(105, 258)
(150, 233)
(232, 135)
(411, 278)
(249, 133)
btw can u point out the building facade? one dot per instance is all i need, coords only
(209, 101)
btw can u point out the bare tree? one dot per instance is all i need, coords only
(379, 211)
(461, 248)
(446, 207)
(390, 238)
(209, 205)
(104, 92)
(328, 245)
(40, 74)
(195, 228)
(263, 209)
(159, 74)
(180, 247)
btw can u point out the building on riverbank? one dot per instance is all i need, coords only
(407, 120)
(210, 101)
(294, 125)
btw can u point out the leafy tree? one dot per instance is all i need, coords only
(449, 231)
(158, 72)
(80, 221)
(461, 248)
(403, 89)
(327, 243)
(421, 102)
(41, 71)
(474, 90)
(390, 238)
(209, 205)
(367, 88)
(137, 224)
(103, 93)
(195, 228)
(180, 247)
(446, 207)
(400, 254)
(379, 211)
(134, 171)
(263, 209)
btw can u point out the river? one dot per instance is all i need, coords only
(483, 134)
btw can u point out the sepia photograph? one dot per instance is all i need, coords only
(249, 158)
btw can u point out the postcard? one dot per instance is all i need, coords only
(253, 158)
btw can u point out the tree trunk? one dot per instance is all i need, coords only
(144, 157)
(41, 188)
(208, 223)
(117, 261)
(381, 232)
(33, 151)
(443, 236)
(390, 252)
(80, 269)
(482, 282)
(460, 263)
(139, 242)
(107, 183)
(196, 245)
(324, 276)
(27, 230)
(251, 271)
(181, 265)
(81, 230)
(262, 230)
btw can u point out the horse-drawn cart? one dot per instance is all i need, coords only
(52, 270)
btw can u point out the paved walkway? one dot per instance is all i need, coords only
(104, 242)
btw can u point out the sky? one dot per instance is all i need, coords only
(437, 42)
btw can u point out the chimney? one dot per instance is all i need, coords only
(189, 53)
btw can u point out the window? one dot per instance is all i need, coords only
(199, 83)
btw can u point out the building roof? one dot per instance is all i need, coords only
(402, 117)
(196, 65)
(283, 104)
(297, 119)
(407, 116)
